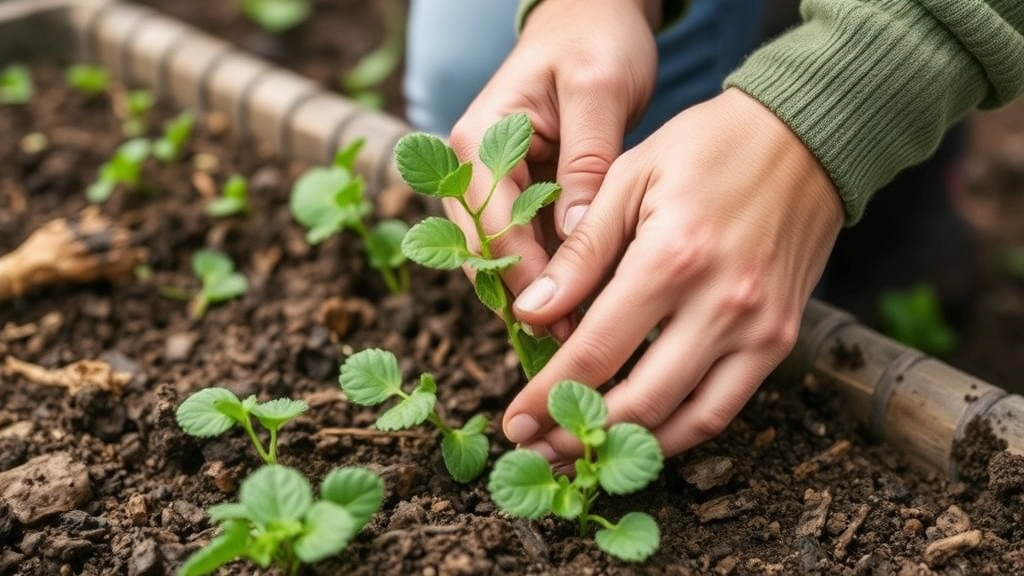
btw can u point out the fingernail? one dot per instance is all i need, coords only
(564, 468)
(544, 449)
(521, 428)
(536, 294)
(573, 216)
(561, 330)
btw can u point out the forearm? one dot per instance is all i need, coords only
(870, 86)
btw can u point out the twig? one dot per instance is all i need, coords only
(847, 536)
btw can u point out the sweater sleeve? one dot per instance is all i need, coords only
(870, 86)
(671, 11)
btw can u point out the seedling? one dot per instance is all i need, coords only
(430, 167)
(276, 522)
(620, 460)
(137, 104)
(914, 317)
(168, 147)
(276, 16)
(363, 82)
(219, 280)
(327, 200)
(233, 199)
(371, 376)
(124, 168)
(16, 86)
(213, 411)
(88, 80)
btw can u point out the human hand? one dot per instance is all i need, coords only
(716, 229)
(583, 71)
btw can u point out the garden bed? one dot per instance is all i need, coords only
(792, 486)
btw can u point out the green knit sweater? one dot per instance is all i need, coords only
(870, 86)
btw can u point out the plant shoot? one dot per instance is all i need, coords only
(124, 168)
(233, 199)
(220, 281)
(88, 80)
(176, 133)
(276, 16)
(16, 86)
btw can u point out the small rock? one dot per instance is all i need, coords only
(178, 347)
(942, 551)
(145, 559)
(440, 506)
(17, 430)
(224, 478)
(266, 179)
(953, 521)
(709, 473)
(137, 510)
(407, 515)
(64, 548)
(764, 437)
(912, 527)
(46, 485)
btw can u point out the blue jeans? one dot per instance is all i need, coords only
(454, 46)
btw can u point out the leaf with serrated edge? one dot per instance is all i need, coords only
(274, 413)
(455, 184)
(423, 161)
(465, 454)
(328, 529)
(577, 407)
(490, 290)
(409, 412)
(436, 243)
(275, 493)
(505, 144)
(476, 425)
(629, 459)
(531, 200)
(633, 539)
(568, 501)
(384, 244)
(370, 377)
(230, 545)
(521, 484)
(198, 414)
(358, 490)
(536, 351)
(492, 264)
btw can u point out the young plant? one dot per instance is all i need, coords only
(88, 80)
(137, 104)
(276, 16)
(124, 168)
(213, 411)
(327, 200)
(430, 167)
(219, 280)
(168, 147)
(16, 86)
(276, 521)
(371, 376)
(233, 199)
(363, 82)
(914, 317)
(620, 460)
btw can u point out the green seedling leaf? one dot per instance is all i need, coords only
(275, 494)
(577, 407)
(633, 539)
(99, 191)
(328, 529)
(138, 102)
(409, 412)
(275, 413)
(464, 453)
(492, 264)
(373, 68)
(456, 183)
(16, 86)
(220, 281)
(370, 377)
(436, 243)
(384, 244)
(476, 425)
(346, 157)
(276, 16)
(202, 415)
(505, 144)
(358, 490)
(234, 198)
(568, 501)
(424, 161)
(536, 351)
(227, 511)
(89, 80)
(226, 288)
(629, 459)
(229, 546)
(914, 317)
(490, 290)
(586, 473)
(531, 200)
(325, 200)
(176, 133)
(521, 484)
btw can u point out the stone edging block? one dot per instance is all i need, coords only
(269, 106)
(315, 122)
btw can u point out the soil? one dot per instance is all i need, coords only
(96, 482)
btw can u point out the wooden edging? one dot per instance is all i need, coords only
(914, 402)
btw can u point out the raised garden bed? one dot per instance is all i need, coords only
(99, 483)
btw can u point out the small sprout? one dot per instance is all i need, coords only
(370, 377)
(430, 167)
(168, 147)
(137, 104)
(220, 281)
(914, 317)
(234, 198)
(125, 168)
(326, 200)
(277, 522)
(16, 85)
(620, 460)
(276, 16)
(363, 82)
(213, 411)
(88, 80)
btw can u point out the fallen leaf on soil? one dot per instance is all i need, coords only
(942, 551)
(46, 485)
(74, 376)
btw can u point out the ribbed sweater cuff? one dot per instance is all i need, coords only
(869, 86)
(671, 11)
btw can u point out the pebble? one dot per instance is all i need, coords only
(178, 347)
(145, 559)
(953, 521)
(44, 486)
(137, 510)
(709, 473)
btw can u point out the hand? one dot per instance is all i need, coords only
(716, 229)
(583, 70)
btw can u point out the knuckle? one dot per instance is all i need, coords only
(685, 255)
(743, 297)
(644, 410)
(594, 359)
(782, 339)
(711, 423)
(582, 247)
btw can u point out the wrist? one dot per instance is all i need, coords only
(652, 10)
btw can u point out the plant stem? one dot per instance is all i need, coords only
(386, 272)
(273, 445)
(268, 458)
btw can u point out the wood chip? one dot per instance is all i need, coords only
(74, 376)
(826, 458)
(942, 551)
(725, 507)
(709, 473)
(815, 514)
(839, 551)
